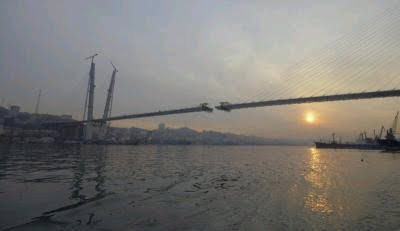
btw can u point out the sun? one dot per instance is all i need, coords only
(310, 117)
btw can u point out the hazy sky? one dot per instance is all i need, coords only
(173, 54)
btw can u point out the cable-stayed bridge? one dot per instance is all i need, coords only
(362, 64)
(225, 106)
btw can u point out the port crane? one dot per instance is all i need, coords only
(395, 121)
(381, 132)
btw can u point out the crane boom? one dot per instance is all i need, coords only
(381, 132)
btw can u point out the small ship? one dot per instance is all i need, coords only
(364, 143)
(390, 142)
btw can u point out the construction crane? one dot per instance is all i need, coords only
(109, 101)
(381, 132)
(38, 102)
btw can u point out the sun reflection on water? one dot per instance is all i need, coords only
(317, 199)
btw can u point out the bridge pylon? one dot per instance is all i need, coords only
(89, 101)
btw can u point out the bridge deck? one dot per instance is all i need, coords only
(229, 107)
(202, 107)
(313, 99)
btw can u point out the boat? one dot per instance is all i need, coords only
(363, 142)
(348, 146)
(391, 142)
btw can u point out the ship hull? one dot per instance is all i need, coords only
(348, 146)
(389, 144)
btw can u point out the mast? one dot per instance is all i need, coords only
(38, 102)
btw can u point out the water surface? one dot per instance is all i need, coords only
(197, 188)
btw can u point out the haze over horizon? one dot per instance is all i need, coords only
(179, 54)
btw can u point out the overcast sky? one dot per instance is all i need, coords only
(173, 54)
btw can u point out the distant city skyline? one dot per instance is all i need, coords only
(180, 54)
